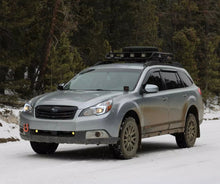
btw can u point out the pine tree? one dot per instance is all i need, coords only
(185, 43)
(89, 37)
(84, 31)
(208, 53)
(22, 39)
(210, 69)
(64, 63)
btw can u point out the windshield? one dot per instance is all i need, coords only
(104, 80)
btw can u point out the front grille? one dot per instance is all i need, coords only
(55, 112)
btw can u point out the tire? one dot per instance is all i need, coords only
(44, 148)
(128, 143)
(188, 138)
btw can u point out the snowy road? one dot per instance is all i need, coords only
(160, 161)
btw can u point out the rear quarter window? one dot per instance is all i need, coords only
(185, 79)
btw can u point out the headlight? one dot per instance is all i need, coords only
(99, 109)
(27, 108)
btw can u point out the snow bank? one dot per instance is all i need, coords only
(212, 112)
(8, 132)
(9, 128)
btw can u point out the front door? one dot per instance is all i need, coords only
(154, 106)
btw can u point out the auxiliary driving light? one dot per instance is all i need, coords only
(143, 55)
(132, 55)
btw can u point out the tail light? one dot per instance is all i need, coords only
(199, 90)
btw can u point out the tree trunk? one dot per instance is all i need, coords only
(48, 45)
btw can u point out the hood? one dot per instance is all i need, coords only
(81, 99)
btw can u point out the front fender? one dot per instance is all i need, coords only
(124, 108)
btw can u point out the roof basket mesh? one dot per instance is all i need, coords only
(140, 54)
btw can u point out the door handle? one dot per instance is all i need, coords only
(185, 95)
(165, 98)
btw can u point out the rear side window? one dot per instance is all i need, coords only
(185, 79)
(171, 80)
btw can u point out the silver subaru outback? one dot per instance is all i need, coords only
(135, 94)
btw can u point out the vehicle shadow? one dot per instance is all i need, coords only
(104, 153)
(153, 147)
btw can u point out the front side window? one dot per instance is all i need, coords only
(104, 80)
(156, 80)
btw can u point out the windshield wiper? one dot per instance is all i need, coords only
(90, 89)
(99, 90)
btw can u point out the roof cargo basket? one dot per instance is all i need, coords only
(161, 56)
(140, 54)
(132, 49)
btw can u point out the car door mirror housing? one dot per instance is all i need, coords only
(60, 86)
(151, 88)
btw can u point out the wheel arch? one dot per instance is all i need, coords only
(132, 113)
(193, 110)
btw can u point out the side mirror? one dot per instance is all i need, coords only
(151, 88)
(60, 86)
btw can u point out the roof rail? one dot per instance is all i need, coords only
(151, 63)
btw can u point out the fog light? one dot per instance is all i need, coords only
(36, 131)
(96, 134)
(73, 133)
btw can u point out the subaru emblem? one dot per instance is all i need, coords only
(54, 109)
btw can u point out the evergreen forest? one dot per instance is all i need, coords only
(46, 42)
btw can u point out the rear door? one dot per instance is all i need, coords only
(177, 98)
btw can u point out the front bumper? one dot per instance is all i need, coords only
(78, 130)
(65, 137)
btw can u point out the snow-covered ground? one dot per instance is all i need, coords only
(159, 161)
(9, 118)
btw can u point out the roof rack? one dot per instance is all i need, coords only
(146, 55)
(140, 49)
